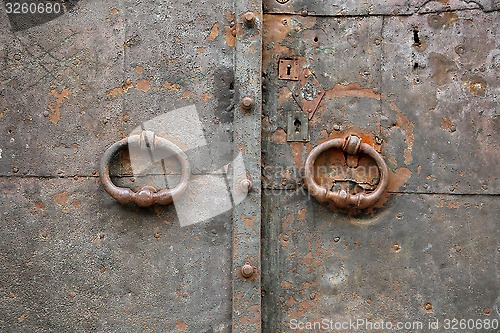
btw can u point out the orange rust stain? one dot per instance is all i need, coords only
(139, 69)
(186, 94)
(254, 318)
(120, 90)
(279, 136)
(39, 205)
(75, 204)
(22, 318)
(214, 32)
(143, 85)
(302, 214)
(405, 123)
(181, 326)
(55, 107)
(450, 204)
(446, 123)
(249, 221)
(442, 67)
(114, 11)
(444, 20)
(398, 179)
(291, 301)
(206, 96)
(61, 198)
(476, 86)
(172, 87)
(297, 148)
(200, 49)
(230, 39)
(352, 89)
(286, 285)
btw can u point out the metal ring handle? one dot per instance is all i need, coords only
(352, 145)
(147, 195)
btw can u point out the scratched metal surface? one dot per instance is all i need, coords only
(422, 89)
(373, 7)
(71, 257)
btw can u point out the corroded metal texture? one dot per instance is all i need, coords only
(247, 129)
(422, 91)
(71, 257)
(373, 7)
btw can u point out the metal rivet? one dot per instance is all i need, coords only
(249, 18)
(428, 307)
(247, 270)
(246, 184)
(336, 127)
(336, 239)
(247, 103)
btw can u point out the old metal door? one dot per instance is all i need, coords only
(419, 82)
(416, 81)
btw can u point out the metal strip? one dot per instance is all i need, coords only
(247, 139)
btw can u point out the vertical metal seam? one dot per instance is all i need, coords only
(247, 305)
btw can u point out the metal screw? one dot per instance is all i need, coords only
(336, 239)
(17, 56)
(336, 127)
(247, 270)
(247, 103)
(428, 306)
(15, 170)
(378, 140)
(249, 18)
(45, 113)
(286, 238)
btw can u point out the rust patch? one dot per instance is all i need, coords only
(214, 32)
(114, 11)
(398, 179)
(39, 205)
(352, 89)
(127, 84)
(56, 107)
(252, 320)
(186, 94)
(297, 148)
(476, 86)
(279, 136)
(61, 198)
(286, 285)
(206, 96)
(181, 326)
(442, 20)
(405, 123)
(248, 221)
(442, 67)
(139, 69)
(230, 38)
(143, 85)
(302, 214)
(75, 204)
(448, 203)
(172, 87)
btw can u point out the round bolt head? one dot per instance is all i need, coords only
(247, 270)
(249, 18)
(247, 103)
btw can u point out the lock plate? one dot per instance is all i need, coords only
(288, 69)
(298, 127)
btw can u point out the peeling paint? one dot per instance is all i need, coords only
(214, 32)
(405, 123)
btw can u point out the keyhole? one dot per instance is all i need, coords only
(297, 124)
(288, 69)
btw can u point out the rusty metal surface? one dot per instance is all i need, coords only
(422, 249)
(421, 90)
(373, 7)
(247, 140)
(72, 258)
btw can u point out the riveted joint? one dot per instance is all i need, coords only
(249, 19)
(247, 271)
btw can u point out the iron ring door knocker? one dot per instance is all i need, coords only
(352, 145)
(147, 195)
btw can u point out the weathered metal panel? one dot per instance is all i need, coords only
(422, 90)
(372, 7)
(72, 258)
(424, 258)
